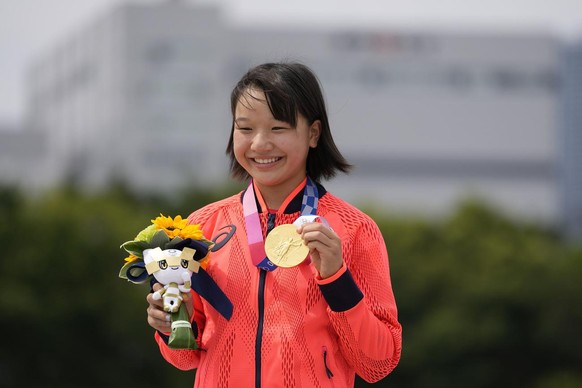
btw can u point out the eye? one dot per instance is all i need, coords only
(242, 127)
(163, 264)
(184, 263)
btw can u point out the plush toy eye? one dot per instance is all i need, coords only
(163, 264)
(184, 263)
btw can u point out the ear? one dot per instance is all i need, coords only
(150, 255)
(147, 256)
(314, 133)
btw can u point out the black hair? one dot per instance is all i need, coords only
(291, 89)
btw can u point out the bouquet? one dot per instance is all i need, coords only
(176, 254)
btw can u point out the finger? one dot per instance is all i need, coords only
(318, 228)
(309, 237)
(150, 299)
(319, 248)
(311, 226)
(190, 309)
(158, 319)
(186, 297)
(326, 248)
(157, 312)
(163, 326)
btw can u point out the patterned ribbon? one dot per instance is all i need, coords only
(253, 223)
(207, 288)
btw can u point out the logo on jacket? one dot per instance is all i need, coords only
(222, 238)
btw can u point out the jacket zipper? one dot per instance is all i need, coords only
(327, 370)
(261, 310)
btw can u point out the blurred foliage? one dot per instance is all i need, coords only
(484, 300)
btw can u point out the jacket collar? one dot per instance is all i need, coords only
(294, 203)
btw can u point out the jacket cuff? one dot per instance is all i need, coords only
(342, 293)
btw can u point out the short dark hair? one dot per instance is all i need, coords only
(291, 88)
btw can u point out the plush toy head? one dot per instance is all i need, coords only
(168, 266)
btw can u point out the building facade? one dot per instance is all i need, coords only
(428, 119)
(570, 142)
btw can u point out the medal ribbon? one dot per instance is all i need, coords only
(253, 223)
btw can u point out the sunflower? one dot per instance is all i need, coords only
(172, 227)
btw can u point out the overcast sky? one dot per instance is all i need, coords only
(29, 27)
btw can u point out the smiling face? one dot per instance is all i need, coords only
(273, 152)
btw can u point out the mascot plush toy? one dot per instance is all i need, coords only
(175, 254)
(174, 269)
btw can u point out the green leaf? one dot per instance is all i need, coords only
(160, 239)
(123, 271)
(136, 272)
(136, 248)
(173, 243)
(146, 234)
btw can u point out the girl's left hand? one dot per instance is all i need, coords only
(325, 248)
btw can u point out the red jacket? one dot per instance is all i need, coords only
(289, 328)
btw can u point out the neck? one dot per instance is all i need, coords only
(274, 196)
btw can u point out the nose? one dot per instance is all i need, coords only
(262, 142)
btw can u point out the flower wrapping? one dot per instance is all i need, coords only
(176, 254)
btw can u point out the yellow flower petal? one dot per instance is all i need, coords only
(131, 258)
(179, 223)
(191, 231)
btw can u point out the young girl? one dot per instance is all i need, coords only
(314, 324)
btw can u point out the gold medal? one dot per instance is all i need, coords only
(284, 246)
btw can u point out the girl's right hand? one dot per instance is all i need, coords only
(157, 317)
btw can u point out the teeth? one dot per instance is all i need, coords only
(265, 161)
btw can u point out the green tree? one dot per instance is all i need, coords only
(484, 300)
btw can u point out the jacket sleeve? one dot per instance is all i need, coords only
(361, 305)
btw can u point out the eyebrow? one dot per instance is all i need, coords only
(245, 120)
(241, 120)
